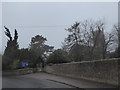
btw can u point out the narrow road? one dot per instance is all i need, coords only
(45, 80)
(29, 82)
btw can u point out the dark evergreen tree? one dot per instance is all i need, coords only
(11, 51)
(39, 50)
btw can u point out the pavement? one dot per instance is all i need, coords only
(45, 80)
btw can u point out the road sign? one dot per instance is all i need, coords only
(24, 64)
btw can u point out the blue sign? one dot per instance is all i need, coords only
(24, 64)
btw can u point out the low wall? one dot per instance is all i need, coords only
(16, 72)
(105, 71)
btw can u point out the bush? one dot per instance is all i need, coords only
(58, 56)
(15, 64)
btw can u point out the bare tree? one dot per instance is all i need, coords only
(89, 38)
(117, 28)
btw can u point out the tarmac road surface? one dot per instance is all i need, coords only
(45, 80)
(29, 82)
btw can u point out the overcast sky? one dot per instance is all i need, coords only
(51, 19)
(0, 27)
